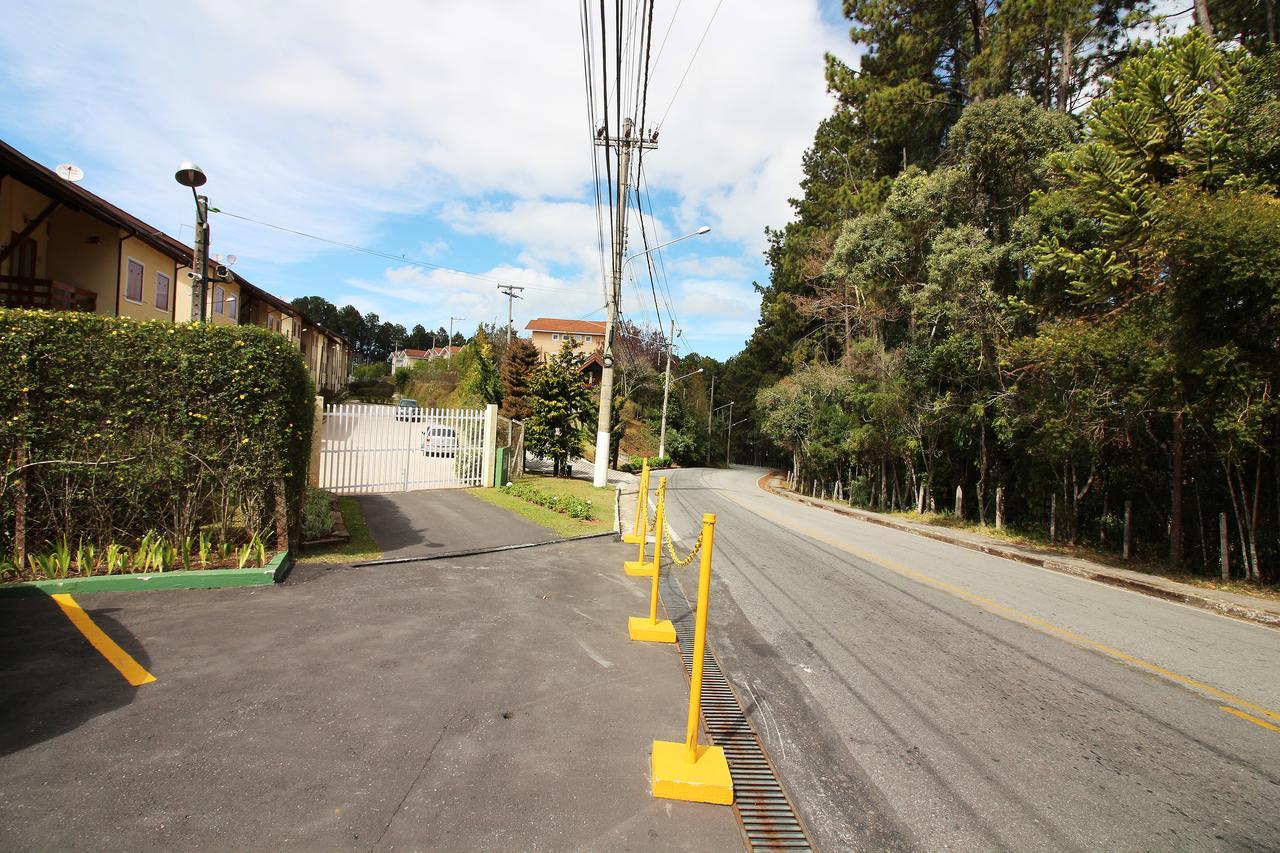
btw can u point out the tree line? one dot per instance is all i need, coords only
(372, 338)
(1039, 260)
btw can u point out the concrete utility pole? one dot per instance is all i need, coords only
(449, 342)
(728, 440)
(623, 144)
(509, 290)
(666, 392)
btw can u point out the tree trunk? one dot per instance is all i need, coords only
(999, 507)
(1175, 509)
(1202, 18)
(1271, 21)
(1064, 70)
(1053, 516)
(983, 467)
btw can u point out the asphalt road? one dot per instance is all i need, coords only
(915, 695)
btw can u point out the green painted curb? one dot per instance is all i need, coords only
(271, 573)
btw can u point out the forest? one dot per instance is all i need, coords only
(1036, 258)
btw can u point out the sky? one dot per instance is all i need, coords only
(448, 133)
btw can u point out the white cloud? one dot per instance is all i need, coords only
(337, 118)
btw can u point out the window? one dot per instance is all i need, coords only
(133, 282)
(587, 339)
(162, 291)
(232, 302)
(555, 336)
(219, 299)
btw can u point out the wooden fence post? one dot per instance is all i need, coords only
(1224, 546)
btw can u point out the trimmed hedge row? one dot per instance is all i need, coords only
(114, 428)
(572, 506)
(636, 464)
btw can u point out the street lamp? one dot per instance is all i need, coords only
(729, 406)
(666, 389)
(603, 422)
(191, 175)
(728, 442)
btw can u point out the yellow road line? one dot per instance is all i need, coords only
(1016, 615)
(1250, 717)
(116, 656)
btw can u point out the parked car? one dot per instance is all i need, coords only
(438, 440)
(409, 410)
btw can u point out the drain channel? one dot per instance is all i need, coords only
(764, 812)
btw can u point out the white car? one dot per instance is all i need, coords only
(439, 440)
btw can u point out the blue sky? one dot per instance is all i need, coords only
(453, 133)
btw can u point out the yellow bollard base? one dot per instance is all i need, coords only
(638, 569)
(644, 631)
(705, 780)
(633, 538)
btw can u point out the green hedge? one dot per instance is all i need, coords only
(130, 427)
(636, 464)
(572, 506)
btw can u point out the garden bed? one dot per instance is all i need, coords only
(210, 578)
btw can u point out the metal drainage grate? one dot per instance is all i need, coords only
(763, 810)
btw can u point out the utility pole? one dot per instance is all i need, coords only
(728, 441)
(711, 407)
(199, 259)
(449, 342)
(623, 145)
(666, 391)
(510, 291)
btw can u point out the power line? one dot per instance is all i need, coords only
(690, 65)
(399, 258)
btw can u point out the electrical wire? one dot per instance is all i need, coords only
(665, 112)
(404, 259)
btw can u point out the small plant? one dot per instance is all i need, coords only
(243, 555)
(86, 558)
(142, 554)
(259, 546)
(184, 551)
(317, 517)
(205, 546)
(224, 551)
(42, 565)
(117, 558)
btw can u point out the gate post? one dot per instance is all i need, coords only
(488, 475)
(317, 438)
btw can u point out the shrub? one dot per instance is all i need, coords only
(572, 506)
(317, 514)
(117, 427)
(636, 464)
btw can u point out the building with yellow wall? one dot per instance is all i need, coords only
(62, 248)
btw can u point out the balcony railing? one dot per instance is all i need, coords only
(45, 293)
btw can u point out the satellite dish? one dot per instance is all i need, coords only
(216, 258)
(231, 260)
(71, 173)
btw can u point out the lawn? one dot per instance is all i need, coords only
(361, 546)
(563, 525)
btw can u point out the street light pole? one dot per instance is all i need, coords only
(191, 175)
(662, 436)
(710, 409)
(666, 391)
(728, 441)
(603, 422)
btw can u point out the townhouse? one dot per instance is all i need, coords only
(62, 248)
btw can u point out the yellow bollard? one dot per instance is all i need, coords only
(640, 568)
(687, 771)
(642, 505)
(652, 630)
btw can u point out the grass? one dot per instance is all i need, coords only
(1084, 552)
(562, 525)
(360, 547)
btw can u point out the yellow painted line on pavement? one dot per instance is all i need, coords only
(1013, 614)
(1250, 717)
(116, 656)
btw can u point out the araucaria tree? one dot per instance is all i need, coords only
(562, 410)
(518, 365)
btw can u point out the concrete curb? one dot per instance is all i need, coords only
(1225, 608)
(272, 572)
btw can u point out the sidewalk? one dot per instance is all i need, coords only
(1260, 610)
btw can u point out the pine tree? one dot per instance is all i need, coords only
(562, 409)
(517, 369)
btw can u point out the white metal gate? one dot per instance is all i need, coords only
(369, 448)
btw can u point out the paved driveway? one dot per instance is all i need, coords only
(485, 703)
